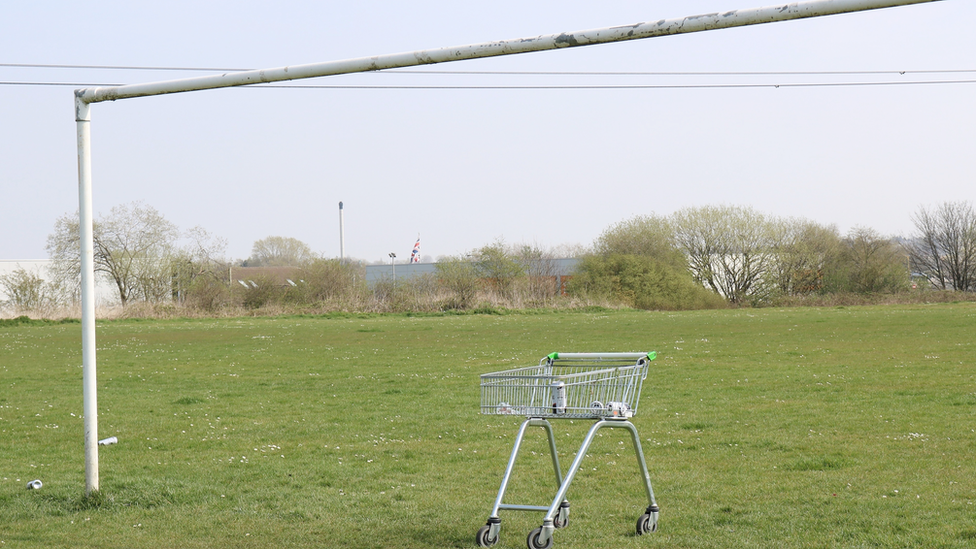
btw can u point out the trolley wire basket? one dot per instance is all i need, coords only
(604, 387)
(569, 385)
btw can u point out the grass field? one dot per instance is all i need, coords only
(843, 427)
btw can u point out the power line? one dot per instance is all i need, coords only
(115, 67)
(74, 84)
(516, 73)
(683, 73)
(546, 86)
(620, 86)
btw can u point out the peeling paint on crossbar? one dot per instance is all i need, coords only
(664, 27)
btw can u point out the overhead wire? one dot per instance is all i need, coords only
(538, 73)
(613, 86)
(543, 87)
(115, 67)
(684, 73)
(74, 84)
(512, 73)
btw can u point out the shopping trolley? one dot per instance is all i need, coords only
(601, 386)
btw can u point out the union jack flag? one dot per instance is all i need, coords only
(415, 254)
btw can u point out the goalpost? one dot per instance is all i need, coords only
(85, 97)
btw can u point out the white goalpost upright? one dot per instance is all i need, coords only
(86, 96)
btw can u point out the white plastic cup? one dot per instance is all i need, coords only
(34, 485)
(107, 441)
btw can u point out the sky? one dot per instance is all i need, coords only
(464, 168)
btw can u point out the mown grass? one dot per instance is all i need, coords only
(842, 427)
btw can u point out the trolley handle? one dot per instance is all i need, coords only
(608, 356)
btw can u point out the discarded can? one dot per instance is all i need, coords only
(107, 441)
(34, 485)
(505, 408)
(620, 409)
(558, 397)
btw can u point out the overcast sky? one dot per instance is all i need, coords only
(464, 168)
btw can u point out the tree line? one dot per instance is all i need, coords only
(702, 257)
(746, 257)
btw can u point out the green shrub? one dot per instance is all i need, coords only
(208, 293)
(330, 279)
(259, 292)
(641, 282)
(459, 278)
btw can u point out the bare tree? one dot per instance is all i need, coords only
(868, 263)
(729, 248)
(330, 279)
(498, 268)
(200, 270)
(280, 251)
(25, 290)
(134, 247)
(541, 280)
(803, 251)
(459, 276)
(944, 248)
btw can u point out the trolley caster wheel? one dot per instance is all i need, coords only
(562, 517)
(533, 540)
(483, 538)
(646, 524)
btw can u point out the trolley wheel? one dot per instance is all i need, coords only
(562, 517)
(533, 540)
(646, 524)
(483, 539)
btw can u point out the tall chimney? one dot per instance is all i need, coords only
(342, 238)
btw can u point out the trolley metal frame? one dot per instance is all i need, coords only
(601, 386)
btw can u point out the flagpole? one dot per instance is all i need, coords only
(415, 254)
